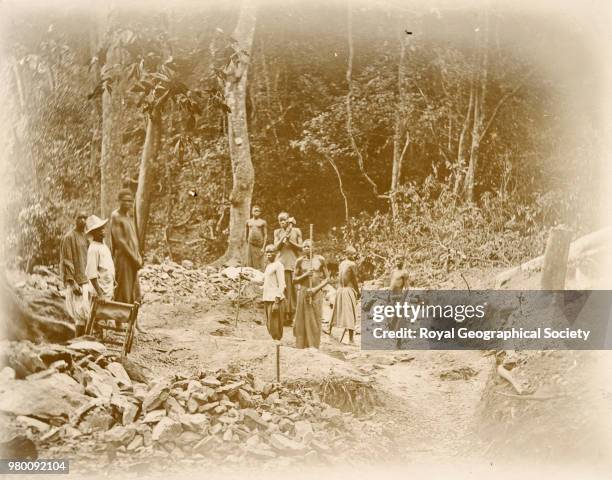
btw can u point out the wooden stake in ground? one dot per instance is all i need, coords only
(238, 297)
(554, 269)
(342, 337)
(278, 363)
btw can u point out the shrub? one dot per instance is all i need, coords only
(35, 236)
(435, 233)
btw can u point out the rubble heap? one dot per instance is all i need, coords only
(77, 400)
(165, 282)
(168, 281)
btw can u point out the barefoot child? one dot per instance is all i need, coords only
(257, 237)
(345, 305)
(398, 289)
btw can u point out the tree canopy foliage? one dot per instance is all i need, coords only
(367, 121)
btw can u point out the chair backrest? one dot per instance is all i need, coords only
(117, 311)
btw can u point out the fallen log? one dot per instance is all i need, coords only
(595, 246)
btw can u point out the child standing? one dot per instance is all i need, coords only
(257, 237)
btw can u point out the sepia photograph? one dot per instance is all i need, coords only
(203, 202)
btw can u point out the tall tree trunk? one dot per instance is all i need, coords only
(480, 98)
(470, 175)
(20, 127)
(399, 132)
(462, 140)
(111, 163)
(349, 101)
(96, 113)
(243, 174)
(147, 174)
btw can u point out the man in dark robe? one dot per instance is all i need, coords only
(125, 250)
(73, 261)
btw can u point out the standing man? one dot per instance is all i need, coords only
(125, 250)
(100, 268)
(274, 294)
(257, 237)
(345, 306)
(73, 262)
(288, 243)
(398, 291)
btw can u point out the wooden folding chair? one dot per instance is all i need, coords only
(115, 317)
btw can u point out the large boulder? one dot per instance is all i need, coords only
(53, 396)
(33, 314)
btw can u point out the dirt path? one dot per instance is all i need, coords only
(428, 397)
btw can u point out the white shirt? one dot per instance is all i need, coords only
(274, 282)
(100, 265)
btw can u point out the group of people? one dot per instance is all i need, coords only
(294, 275)
(294, 281)
(89, 268)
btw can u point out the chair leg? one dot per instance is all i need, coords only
(131, 327)
(92, 316)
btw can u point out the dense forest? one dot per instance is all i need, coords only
(448, 136)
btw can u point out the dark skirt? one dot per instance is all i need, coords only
(255, 257)
(127, 289)
(345, 309)
(290, 296)
(307, 322)
(275, 319)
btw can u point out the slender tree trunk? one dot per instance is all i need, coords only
(171, 198)
(478, 126)
(111, 163)
(20, 128)
(243, 174)
(340, 187)
(399, 132)
(349, 102)
(462, 140)
(19, 84)
(96, 114)
(470, 175)
(147, 174)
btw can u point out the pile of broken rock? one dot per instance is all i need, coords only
(168, 281)
(78, 401)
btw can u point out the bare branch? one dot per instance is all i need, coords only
(502, 100)
(340, 186)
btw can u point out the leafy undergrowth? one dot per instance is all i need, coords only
(434, 234)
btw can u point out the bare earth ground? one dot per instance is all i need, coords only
(437, 407)
(425, 414)
(434, 408)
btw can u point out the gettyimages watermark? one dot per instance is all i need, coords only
(486, 319)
